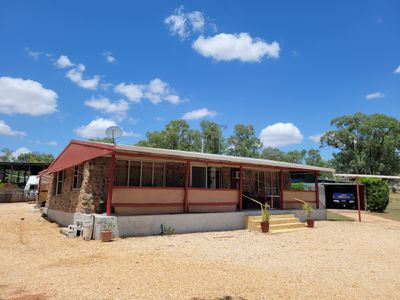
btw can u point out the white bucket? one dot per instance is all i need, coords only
(87, 231)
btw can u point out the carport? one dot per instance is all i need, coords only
(357, 177)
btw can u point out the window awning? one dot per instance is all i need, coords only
(76, 153)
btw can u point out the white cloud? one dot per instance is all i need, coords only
(397, 71)
(97, 129)
(76, 76)
(280, 134)
(199, 114)
(105, 105)
(6, 130)
(316, 137)
(63, 62)
(155, 91)
(197, 21)
(109, 57)
(50, 143)
(242, 46)
(182, 24)
(25, 96)
(132, 91)
(20, 151)
(34, 54)
(376, 95)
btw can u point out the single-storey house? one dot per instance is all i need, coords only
(122, 180)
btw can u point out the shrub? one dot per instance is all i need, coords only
(377, 194)
(297, 186)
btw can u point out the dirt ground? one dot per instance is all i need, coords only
(344, 260)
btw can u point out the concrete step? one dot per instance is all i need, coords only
(287, 230)
(281, 226)
(283, 221)
(281, 216)
(277, 223)
(286, 226)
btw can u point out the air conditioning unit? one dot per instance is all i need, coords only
(236, 175)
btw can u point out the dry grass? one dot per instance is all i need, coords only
(334, 260)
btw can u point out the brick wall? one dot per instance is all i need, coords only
(93, 190)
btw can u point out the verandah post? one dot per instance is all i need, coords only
(358, 198)
(281, 188)
(316, 190)
(111, 173)
(185, 199)
(240, 188)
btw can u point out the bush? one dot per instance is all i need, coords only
(299, 186)
(377, 194)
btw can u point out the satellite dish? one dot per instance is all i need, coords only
(113, 132)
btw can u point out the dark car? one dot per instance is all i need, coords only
(344, 200)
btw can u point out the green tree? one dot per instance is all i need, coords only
(176, 135)
(244, 142)
(35, 157)
(296, 156)
(314, 158)
(102, 140)
(213, 141)
(273, 154)
(366, 144)
(6, 155)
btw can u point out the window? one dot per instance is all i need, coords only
(199, 177)
(59, 182)
(158, 174)
(175, 174)
(147, 173)
(214, 177)
(206, 177)
(77, 177)
(121, 173)
(135, 168)
(226, 174)
(138, 173)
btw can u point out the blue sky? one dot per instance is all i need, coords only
(68, 69)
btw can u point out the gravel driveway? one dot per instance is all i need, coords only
(345, 260)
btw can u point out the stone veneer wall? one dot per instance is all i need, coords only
(94, 188)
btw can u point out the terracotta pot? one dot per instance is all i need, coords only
(106, 235)
(264, 226)
(310, 223)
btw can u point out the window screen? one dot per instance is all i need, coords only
(158, 174)
(198, 177)
(226, 178)
(147, 170)
(78, 177)
(175, 174)
(134, 173)
(121, 173)
(214, 177)
(59, 182)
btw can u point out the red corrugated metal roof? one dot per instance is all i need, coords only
(76, 153)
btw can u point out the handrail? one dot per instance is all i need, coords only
(258, 202)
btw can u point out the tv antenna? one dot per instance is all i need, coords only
(113, 132)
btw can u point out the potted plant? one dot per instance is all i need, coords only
(265, 216)
(106, 232)
(308, 208)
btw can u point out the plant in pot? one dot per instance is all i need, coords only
(106, 232)
(265, 216)
(308, 208)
